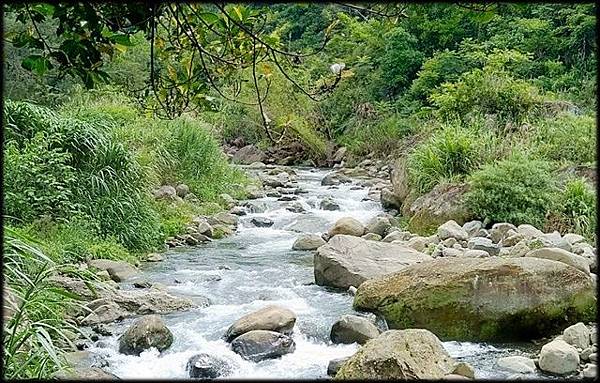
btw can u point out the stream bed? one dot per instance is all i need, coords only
(256, 267)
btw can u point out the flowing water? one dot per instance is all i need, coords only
(256, 267)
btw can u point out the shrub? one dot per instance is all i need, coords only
(515, 190)
(576, 209)
(489, 91)
(448, 154)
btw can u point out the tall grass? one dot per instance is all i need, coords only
(34, 323)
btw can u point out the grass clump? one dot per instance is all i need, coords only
(516, 190)
(575, 210)
(449, 154)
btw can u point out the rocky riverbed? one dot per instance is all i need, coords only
(314, 279)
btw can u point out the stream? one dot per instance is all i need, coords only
(256, 267)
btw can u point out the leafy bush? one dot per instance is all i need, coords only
(488, 91)
(515, 190)
(448, 154)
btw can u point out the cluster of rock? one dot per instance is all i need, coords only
(465, 282)
(572, 353)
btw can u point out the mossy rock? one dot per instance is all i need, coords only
(482, 299)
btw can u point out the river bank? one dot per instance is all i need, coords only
(255, 267)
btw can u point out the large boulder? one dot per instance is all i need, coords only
(206, 366)
(349, 261)
(118, 270)
(261, 221)
(334, 365)
(389, 199)
(334, 179)
(308, 242)
(559, 357)
(577, 335)
(272, 318)
(443, 203)
(399, 178)
(560, 255)
(258, 345)
(166, 192)
(145, 332)
(248, 155)
(479, 299)
(347, 225)
(399, 354)
(352, 328)
(517, 364)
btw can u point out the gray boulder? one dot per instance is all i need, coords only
(352, 328)
(451, 229)
(182, 190)
(166, 192)
(517, 364)
(334, 179)
(261, 222)
(371, 237)
(499, 230)
(328, 203)
(485, 244)
(259, 345)
(472, 227)
(308, 242)
(577, 335)
(389, 199)
(272, 318)
(248, 155)
(348, 226)
(399, 354)
(559, 357)
(348, 261)
(378, 225)
(146, 332)
(560, 255)
(118, 270)
(206, 366)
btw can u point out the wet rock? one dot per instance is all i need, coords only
(255, 206)
(352, 290)
(560, 255)
(481, 297)
(352, 328)
(118, 270)
(259, 345)
(378, 225)
(559, 357)
(348, 261)
(328, 203)
(272, 318)
(102, 329)
(206, 366)
(261, 222)
(451, 229)
(146, 332)
(296, 207)
(334, 365)
(577, 335)
(237, 210)
(308, 242)
(399, 354)
(348, 226)
(334, 179)
(226, 218)
(517, 364)
(142, 284)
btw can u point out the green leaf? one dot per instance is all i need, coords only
(122, 39)
(37, 64)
